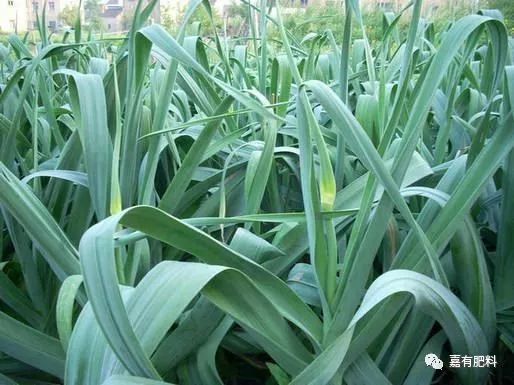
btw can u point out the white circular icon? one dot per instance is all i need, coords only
(432, 360)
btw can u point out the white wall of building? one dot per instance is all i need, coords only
(13, 15)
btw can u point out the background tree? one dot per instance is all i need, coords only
(69, 14)
(237, 19)
(93, 11)
(167, 19)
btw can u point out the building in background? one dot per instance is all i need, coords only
(13, 15)
(34, 8)
(116, 15)
(111, 15)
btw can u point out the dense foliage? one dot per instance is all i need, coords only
(178, 209)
